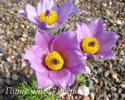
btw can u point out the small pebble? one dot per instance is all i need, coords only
(114, 76)
(119, 91)
(118, 22)
(122, 52)
(15, 77)
(9, 59)
(122, 85)
(83, 90)
(106, 74)
(113, 89)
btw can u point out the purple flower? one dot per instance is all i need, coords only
(94, 41)
(48, 15)
(56, 59)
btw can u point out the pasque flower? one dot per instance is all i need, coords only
(48, 15)
(94, 41)
(56, 59)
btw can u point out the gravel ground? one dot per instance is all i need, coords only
(108, 77)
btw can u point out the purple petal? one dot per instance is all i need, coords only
(79, 69)
(71, 80)
(41, 25)
(31, 13)
(108, 40)
(24, 14)
(35, 56)
(73, 58)
(66, 44)
(83, 31)
(53, 26)
(61, 78)
(65, 10)
(65, 41)
(43, 39)
(44, 5)
(96, 27)
(40, 7)
(55, 8)
(43, 80)
(105, 55)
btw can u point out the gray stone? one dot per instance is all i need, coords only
(115, 96)
(15, 77)
(90, 84)
(122, 52)
(119, 91)
(106, 74)
(100, 75)
(119, 22)
(122, 85)
(6, 75)
(113, 89)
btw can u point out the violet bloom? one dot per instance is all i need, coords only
(48, 15)
(56, 59)
(96, 42)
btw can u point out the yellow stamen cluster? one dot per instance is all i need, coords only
(54, 61)
(90, 45)
(50, 19)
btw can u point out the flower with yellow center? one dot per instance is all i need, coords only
(54, 61)
(90, 45)
(49, 17)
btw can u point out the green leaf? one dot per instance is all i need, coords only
(81, 79)
(33, 93)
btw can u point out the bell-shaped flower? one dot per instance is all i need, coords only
(48, 15)
(96, 42)
(56, 59)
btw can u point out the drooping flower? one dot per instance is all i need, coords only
(48, 15)
(56, 59)
(94, 41)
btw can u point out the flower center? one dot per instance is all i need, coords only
(50, 17)
(54, 61)
(90, 45)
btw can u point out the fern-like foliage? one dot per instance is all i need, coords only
(81, 79)
(30, 92)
